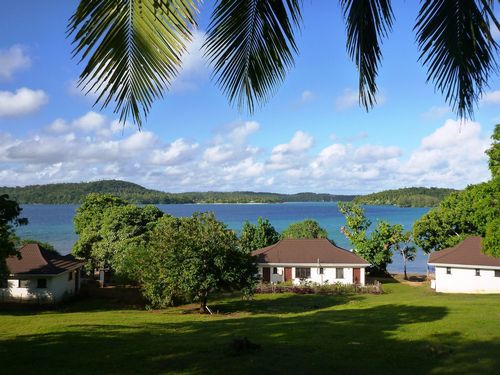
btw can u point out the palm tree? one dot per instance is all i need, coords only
(133, 48)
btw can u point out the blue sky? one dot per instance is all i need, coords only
(311, 136)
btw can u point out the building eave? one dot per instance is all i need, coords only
(471, 266)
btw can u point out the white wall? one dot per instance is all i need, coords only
(328, 276)
(464, 280)
(57, 287)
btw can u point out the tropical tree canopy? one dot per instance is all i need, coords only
(133, 49)
(305, 229)
(257, 236)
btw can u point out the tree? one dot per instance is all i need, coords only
(305, 229)
(9, 219)
(189, 258)
(494, 153)
(257, 236)
(88, 223)
(403, 244)
(378, 247)
(133, 48)
(43, 245)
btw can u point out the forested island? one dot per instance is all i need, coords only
(407, 197)
(67, 193)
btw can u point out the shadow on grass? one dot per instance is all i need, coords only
(345, 340)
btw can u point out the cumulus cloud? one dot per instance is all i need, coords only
(350, 99)
(87, 148)
(492, 97)
(22, 102)
(435, 113)
(12, 60)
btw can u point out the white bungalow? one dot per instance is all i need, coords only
(465, 269)
(40, 276)
(316, 260)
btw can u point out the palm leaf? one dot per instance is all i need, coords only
(133, 49)
(250, 45)
(458, 49)
(367, 22)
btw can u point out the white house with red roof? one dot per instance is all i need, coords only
(465, 269)
(40, 276)
(315, 260)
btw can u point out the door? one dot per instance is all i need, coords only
(356, 275)
(288, 273)
(266, 274)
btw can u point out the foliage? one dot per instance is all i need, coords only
(305, 229)
(189, 258)
(76, 192)
(494, 153)
(133, 48)
(43, 245)
(378, 246)
(406, 197)
(403, 244)
(257, 236)
(9, 218)
(461, 215)
(322, 289)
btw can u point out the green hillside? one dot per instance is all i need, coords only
(406, 197)
(64, 193)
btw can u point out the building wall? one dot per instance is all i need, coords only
(464, 280)
(57, 287)
(328, 276)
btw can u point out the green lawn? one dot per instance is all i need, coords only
(407, 330)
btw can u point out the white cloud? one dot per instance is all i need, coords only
(90, 122)
(305, 97)
(492, 97)
(435, 113)
(12, 60)
(350, 99)
(176, 152)
(300, 142)
(21, 103)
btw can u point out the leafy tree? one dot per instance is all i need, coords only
(133, 49)
(494, 153)
(9, 219)
(305, 229)
(378, 246)
(257, 236)
(189, 258)
(44, 245)
(88, 223)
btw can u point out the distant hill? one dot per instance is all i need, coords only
(74, 192)
(407, 197)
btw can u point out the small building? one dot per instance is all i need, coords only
(40, 276)
(465, 269)
(315, 260)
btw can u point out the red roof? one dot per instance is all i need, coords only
(304, 251)
(37, 261)
(468, 252)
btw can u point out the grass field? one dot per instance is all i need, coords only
(408, 330)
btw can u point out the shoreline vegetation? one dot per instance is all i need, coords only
(73, 193)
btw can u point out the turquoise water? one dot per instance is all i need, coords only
(54, 223)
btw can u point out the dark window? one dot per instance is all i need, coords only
(478, 272)
(321, 271)
(275, 270)
(70, 275)
(448, 270)
(339, 273)
(302, 273)
(4, 283)
(41, 283)
(23, 284)
(497, 273)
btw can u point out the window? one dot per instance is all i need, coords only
(41, 283)
(275, 270)
(339, 273)
(302, 273)
(70, 275)
(497, 273)
(4, 283)
(321, 270)
(478, 272)
(23, 283)
(448, 270)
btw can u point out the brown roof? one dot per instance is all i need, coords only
(37, 261)
(467, 252)
(306, 251)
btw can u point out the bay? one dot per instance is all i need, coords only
(54, 223)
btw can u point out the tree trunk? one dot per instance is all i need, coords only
(203, 302)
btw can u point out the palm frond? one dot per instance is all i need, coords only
(367, 22)
(133, 49)
(458, 49)
(250, 45)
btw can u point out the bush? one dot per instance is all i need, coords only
(322, 289)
